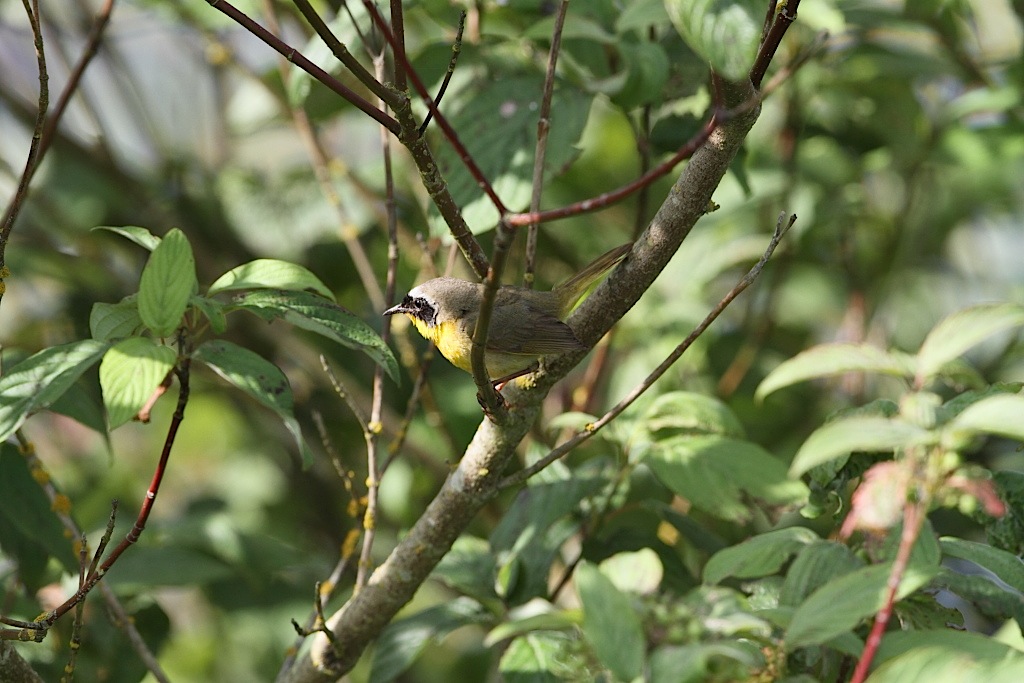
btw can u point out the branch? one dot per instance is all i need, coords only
(477, 478)
(299, 60)
(780, 229)
(32, 160)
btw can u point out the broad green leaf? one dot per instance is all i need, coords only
(726, 33)
(1002, 415)
(171, 565)
(717, 474)
(141, 236)
(647, 65)
(469, 567)
(403, 640)
(847, 435)
(551, 620)
(828, 360)
(108, 322)
(130, 372)
(497, 121)
(815, 565)
(24, 504)
(962, 330)
(610, 623)
(257, 377)
(987, 594)
(83, 406)
(41, 379)
(842, 603)
(978, 647)
(167, 282)
(270, 274)
(637, 572)
(685, 412)
(950, 663)
(1008, 567)
(699, 662)
(761, 555)
(213, 310)
(326, 318)
(538, 658)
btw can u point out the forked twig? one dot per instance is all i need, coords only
(456, 51)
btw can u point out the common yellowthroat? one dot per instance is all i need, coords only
(525, 323)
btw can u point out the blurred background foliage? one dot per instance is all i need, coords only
(900, 147)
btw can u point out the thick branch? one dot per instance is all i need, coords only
(476, 479)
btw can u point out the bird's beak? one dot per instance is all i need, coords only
(400, 308)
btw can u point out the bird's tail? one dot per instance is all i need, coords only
(573, 289)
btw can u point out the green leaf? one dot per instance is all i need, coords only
(828, 360)
(213, 310)
(108, 322)
(167, 282)
(610, 623)
(536, 658)
(988, 596)
(949, 662)
(1008, 567)
(270, 274)
(403, 640)
(761, 555)
(141, 236)
(815, 565)
(641, 14)
(172, 565)
(842, 603)
(328, 319)
(27, 508)
(647, 65)
(553, 620)
(847, 435)
(497, 120)
(1001, 415)
(41, 379)
(975, 645)
(469, 567)
(257, 377)
(717, 474)
(83, 406)
(962, 330)
(637, 572)
(690, 413)
(726, 33)
(130, 372)
(701, 662)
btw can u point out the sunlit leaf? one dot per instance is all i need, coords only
(962, 330)
(828, 360)
(130, 372)
(326, 318)
(1002, 415)
(257, 377)
(847, 435)
(167, 282)
(724, 32)
(610, 623)
(270, 274)
(760, 555)
(842, 603)
(41, 379)
(140, 236)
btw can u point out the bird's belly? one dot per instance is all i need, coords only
(458, 349)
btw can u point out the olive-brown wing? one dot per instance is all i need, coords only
(524, 329)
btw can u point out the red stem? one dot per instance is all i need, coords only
(449, 132)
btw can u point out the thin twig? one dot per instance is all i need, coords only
(32, 159)
(540, 153)
(342, 54)
(297, 58)
(784, 17)
(490, 400)
(519, 477)
(442, 122)
(92, 44)
(398, 27)
(322, 166)
(343, 393)
(456, 51)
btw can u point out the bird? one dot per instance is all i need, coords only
(526, 324)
